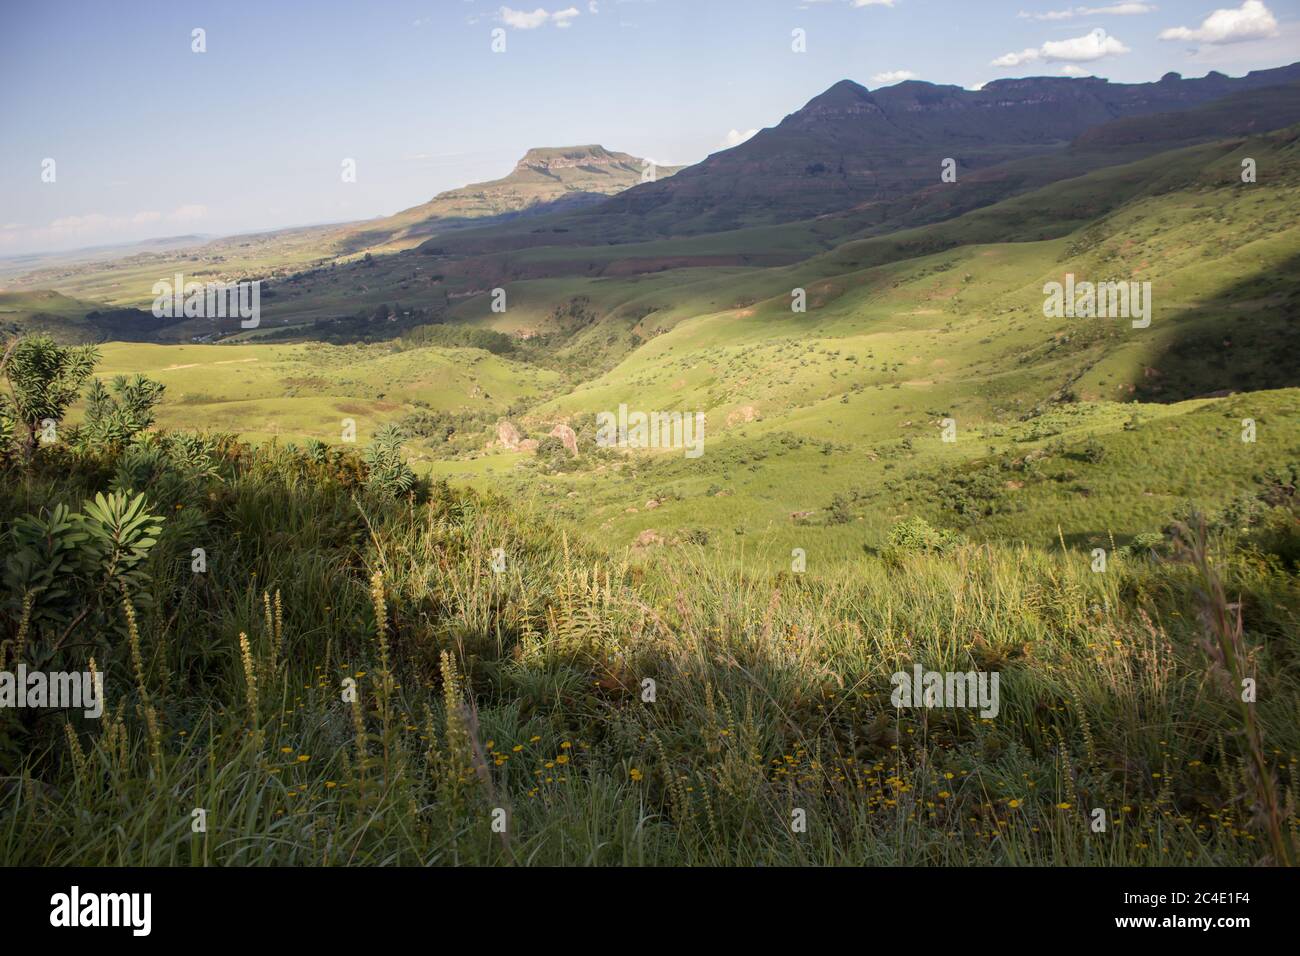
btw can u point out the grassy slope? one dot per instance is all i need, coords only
(902, 330)
(127, 280)
(44, 311)
(773, 694)
(886, 351)
(300, 391)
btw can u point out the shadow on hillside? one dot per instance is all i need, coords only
(1246, 340)
(1085, 540)
(430, 230)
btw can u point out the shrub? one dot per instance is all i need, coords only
(390, 476)
(65, 567)
(839, 511)
(44, 378)
(119, 415)
(1092, 451)
(915, 535)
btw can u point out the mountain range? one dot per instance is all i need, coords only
(850, 165)
(851, 146)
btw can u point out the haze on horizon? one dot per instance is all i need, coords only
(151, 139)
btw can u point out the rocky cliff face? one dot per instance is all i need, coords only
(850, 145)
(551, 160)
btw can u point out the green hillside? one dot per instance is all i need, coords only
(296, 392)
(846, 399)
(823, 425)
(371, 576)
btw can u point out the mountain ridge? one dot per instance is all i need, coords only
(850, 144)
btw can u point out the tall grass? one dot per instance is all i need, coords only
(351, 682)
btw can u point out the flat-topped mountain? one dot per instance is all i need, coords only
(584, 165)
(546, 179)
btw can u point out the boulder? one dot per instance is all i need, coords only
(742, 415)
(508, 435)
(567, 435)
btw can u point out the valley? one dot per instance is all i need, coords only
(581, 515)
(823, 425)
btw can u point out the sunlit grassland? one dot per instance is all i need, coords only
(846, 399)
(301, 391)
(523, 691)
(749, 492)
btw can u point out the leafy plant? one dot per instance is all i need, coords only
(116, 416)
(64, 568)
(390, 475)
(42, 565)
(119, 533)
(44, 378)
(915, 535)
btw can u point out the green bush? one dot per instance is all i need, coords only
(915, 535)
(44, 378)
(118, 415)
(390, 475)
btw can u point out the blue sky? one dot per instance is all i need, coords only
(151, 139)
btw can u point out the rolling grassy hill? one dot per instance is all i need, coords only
(823, 427)
(828, 534)
(546, 179)
(295, 392)
(846, 399)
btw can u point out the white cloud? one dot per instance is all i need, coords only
(593, 7)
(522, 20)
(190, 213)
(1243, 57)
(735, 137)
(1015, 59)
(873, 3)
(1071, 70)
(1113, 10)
(893, 76)
(1090, 46)
(1252, 21)
(79, 224)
